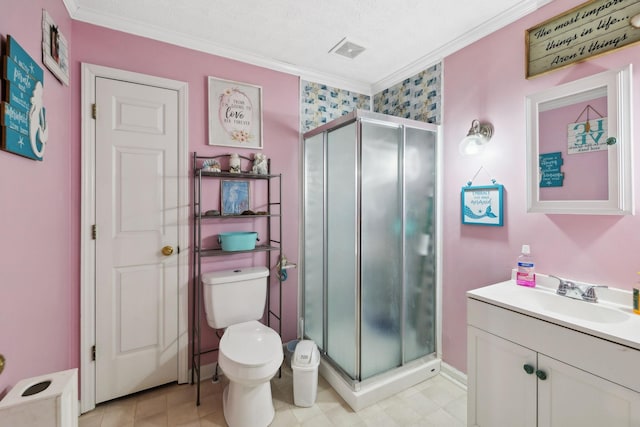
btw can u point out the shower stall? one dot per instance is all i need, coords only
(369, 251)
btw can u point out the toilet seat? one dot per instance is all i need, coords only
(251, 344)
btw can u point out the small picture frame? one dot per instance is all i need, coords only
(234, 197)
(482, 205)
(235, 114)
(55, 49)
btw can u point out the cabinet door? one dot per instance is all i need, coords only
(572, 397)
(500, 392)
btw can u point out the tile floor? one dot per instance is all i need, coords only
(435, 402)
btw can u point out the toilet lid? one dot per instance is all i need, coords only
(251, 343)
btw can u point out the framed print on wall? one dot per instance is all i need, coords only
(235, 114)
(55, 49)
(234, 197)
(482, 205)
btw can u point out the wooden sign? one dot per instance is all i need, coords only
(587, 136)
(550, 173)
(593, 28)
(22, 115)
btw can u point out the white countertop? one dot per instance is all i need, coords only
(611, 318)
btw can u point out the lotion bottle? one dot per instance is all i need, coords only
(526, 274)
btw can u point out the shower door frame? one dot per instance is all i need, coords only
(358, 116)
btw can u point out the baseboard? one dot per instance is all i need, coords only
(454, 375)
(207, 371)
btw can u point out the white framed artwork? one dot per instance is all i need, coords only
(235, 114)
(55, 49)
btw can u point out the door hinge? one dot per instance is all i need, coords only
(94, 111)
(94, 232)
(93, 353)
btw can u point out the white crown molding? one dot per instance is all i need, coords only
(72, 7)
(360, 87)
(500, 21)
(161, 34)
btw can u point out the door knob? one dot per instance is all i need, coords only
(167, 250)
(528, 369)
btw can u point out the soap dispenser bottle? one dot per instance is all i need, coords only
(526, 274)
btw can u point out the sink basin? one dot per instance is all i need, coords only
(586, 311)
(611, 318)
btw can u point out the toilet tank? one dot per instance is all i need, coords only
(234, 296)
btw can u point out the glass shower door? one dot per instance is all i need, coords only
(369, 295)
(381, 247)
(420, 259)
(314, 238)
(342, 248)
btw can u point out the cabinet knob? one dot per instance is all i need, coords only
(542, 375)
(167, 250)
(528, 369)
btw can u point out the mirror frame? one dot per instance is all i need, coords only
(618, 88)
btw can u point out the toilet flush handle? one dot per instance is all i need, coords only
(167, 250)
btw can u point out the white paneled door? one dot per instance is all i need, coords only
(136, 173)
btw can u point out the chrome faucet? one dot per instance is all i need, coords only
(582, 292)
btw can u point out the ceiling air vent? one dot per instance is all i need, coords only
(347, 49)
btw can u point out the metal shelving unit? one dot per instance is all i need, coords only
(273, 218)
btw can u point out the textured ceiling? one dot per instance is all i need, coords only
(297, 35)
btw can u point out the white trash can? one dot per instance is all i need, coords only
(306, 359)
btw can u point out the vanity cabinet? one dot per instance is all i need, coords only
(522, 371)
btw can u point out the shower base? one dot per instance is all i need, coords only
(372, 390)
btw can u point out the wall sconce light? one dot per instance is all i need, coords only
(478, 136)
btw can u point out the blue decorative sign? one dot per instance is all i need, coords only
(16, 97)
(14, 118)
(18, 77)
(482, 205)
(23, 60)
(22, 115)
(17, 143)
(550, 173)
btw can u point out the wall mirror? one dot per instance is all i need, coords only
(579, 148)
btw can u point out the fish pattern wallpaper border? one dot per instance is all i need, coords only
(416, 98)
(321, 103)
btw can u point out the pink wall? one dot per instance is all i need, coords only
(40, 209)
(38, 224)
(486, 81)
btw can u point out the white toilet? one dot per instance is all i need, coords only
(249, 352)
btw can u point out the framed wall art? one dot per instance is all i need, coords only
(235, 114)
(234, 197)
(482, 205)
(23, 118)
(55, 50)
(590, 29)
